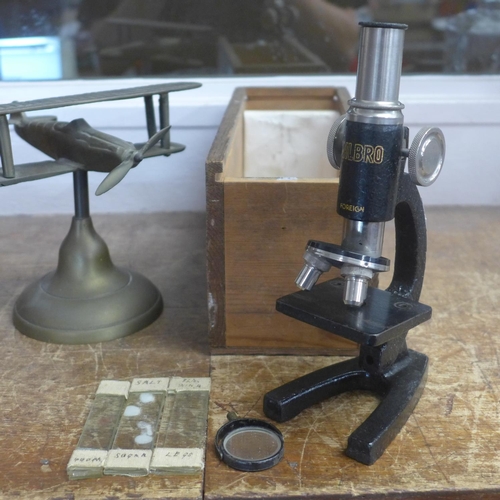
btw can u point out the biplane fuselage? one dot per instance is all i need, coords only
(76, 141)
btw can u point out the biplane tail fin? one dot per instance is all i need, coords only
(119, 172)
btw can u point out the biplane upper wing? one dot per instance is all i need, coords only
(90, 97)
(13, 174)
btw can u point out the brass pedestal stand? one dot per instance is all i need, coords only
(87, 298)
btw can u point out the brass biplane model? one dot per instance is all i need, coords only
(76, 145)
(87, 298)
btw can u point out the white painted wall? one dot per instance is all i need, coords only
(467, 108)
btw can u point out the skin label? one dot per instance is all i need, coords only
(177, 460)
(179, 384)
(132, 463)
(86, 463)
(150, 384)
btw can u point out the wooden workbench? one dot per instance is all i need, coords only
(450, 447)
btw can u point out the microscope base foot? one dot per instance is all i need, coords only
(369, 441)
(400, 388)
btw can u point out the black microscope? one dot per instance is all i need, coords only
(369, 144)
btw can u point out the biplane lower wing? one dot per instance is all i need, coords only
(39, 170)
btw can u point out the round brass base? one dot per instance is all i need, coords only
(46, 317)
(86, 299)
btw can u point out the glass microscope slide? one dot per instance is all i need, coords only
(136, 435)
(180, 444)
(99, 431)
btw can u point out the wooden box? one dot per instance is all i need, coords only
(258, 226)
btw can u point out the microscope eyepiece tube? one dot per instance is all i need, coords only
(379, 64)
(373, 137)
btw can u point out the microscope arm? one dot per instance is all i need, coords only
(411, 242)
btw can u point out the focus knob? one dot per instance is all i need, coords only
(335, 142)
(426, 156)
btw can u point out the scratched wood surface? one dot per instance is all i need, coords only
(449, 448)
(47, 390)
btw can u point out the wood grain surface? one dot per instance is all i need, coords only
(450, 446)
(267, 226)
(449, 449)
(47, 389)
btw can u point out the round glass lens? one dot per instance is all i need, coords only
(252, 443)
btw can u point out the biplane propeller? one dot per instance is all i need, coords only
(76, 145)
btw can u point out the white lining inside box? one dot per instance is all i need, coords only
(287, 144)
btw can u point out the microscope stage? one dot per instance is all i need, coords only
(383, 317)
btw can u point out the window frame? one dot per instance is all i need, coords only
(467, 107)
